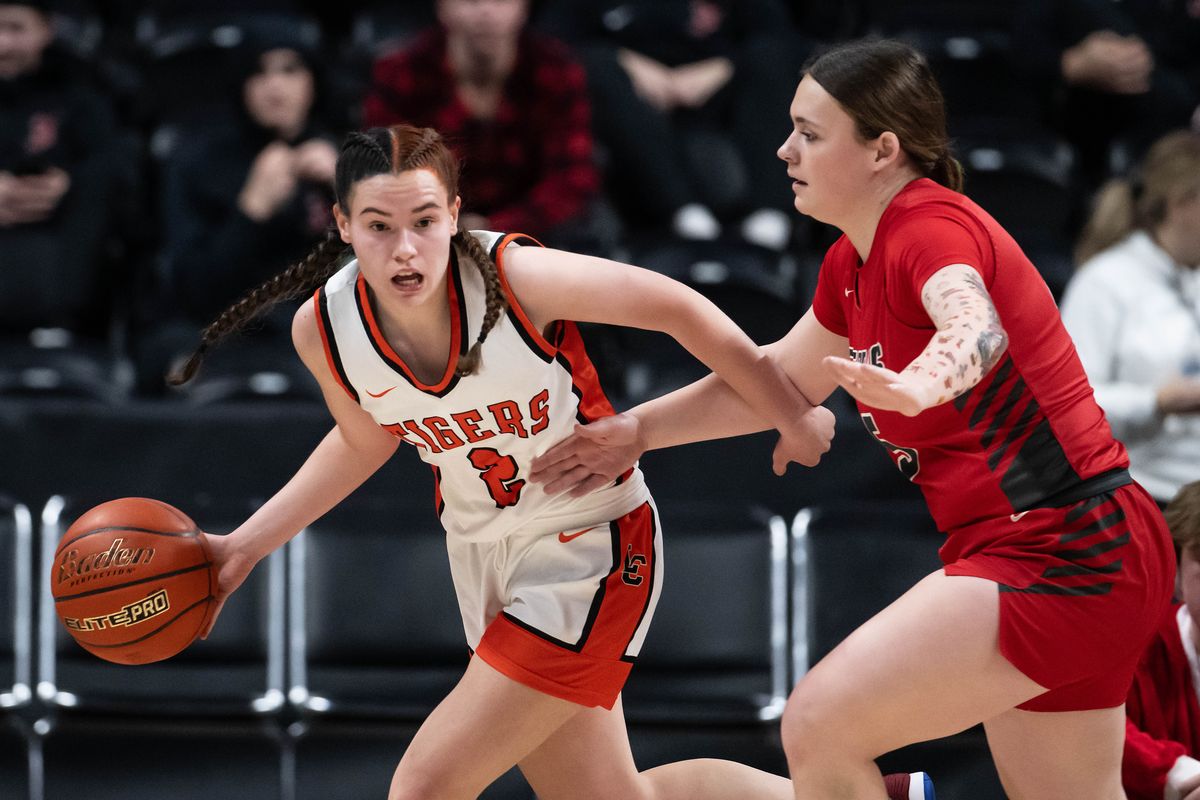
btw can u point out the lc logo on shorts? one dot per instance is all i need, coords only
(634, 562)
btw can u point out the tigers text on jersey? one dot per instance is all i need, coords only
(1030, 432)
(479, 432)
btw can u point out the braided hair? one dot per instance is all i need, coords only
(377, 151)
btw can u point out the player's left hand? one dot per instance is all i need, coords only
(591, 457)
(879, 387)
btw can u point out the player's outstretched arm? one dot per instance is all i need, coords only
(345, 458)
(969, 341)
(552, 285)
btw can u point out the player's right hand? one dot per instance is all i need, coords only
(591, 457)
(232, 565)
(806, 441)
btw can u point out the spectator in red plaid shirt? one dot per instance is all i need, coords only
(512, 104)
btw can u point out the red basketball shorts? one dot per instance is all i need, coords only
(564, 613)
(1082, 588)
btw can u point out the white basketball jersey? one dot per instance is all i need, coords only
(479, 432)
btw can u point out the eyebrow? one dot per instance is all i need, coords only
(802, 121)
(382, 213)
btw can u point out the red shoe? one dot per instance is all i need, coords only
(909, 786)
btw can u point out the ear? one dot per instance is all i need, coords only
(343, 223)
(454, 209)
(887, 149)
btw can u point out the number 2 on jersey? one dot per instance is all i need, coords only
(499, 473)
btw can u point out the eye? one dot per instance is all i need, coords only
(377, 226)
(425, 222)
(809, 136)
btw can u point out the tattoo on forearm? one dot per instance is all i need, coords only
(970, 339)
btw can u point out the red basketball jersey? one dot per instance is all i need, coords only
(1030, 432)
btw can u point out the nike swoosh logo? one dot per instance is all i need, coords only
(566, 537)
(848, 292)
(1017, 517)
(381, 394)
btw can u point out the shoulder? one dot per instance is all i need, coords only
(306, 333)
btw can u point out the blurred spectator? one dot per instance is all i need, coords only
(242, 199)
(59, 170)
(1125, 72)
(1162, 729)
(684, 92)
(1133, 310)
(513, 106)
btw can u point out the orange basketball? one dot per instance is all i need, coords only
(133, 580)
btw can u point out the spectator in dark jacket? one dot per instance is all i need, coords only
(57, 176)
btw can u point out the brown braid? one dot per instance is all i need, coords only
(496, 301)
(297, 280)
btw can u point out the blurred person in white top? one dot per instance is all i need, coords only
(1133, 309)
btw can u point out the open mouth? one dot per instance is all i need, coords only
(408, 281)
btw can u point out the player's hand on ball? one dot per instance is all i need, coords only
(232, 565)
(591, 457)
(806, 441)
(879, 387)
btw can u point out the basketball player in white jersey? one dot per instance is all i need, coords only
(458, 344)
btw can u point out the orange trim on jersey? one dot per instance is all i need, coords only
(530, 660)
(330, 359)
(593, 403)
(384, 347)
(498, 257)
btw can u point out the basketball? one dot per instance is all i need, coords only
(133, 581)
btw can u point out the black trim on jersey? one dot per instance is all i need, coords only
(1098, 487)
(1019, 429)
(1087, 505)
(1076, 570)
(525, 337)
(518, 238)
(1102, 524)
(989, 394)
(1002, 414)
(565, 363)
(650, 577)
(540, 634)
(593, 612)
(440, 499)
(464, 338)
(1039, 469)
(1095, 550)
(513, 319)
(1049, 588)
(331, 340)
(598, 599)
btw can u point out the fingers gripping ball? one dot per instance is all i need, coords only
(133, 581)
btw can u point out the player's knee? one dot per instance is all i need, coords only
(806, 728)
(412, 784)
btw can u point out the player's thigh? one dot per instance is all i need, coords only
(1052, 755)
(586, 758)
(927, 666)
(481, 729)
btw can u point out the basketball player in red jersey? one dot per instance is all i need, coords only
(1057, 564)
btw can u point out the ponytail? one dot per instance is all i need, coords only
(947, 171)
(1114, 216)
(295, 281)
(496, 302)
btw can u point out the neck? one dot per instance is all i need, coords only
(403, 325)
(863, 220)
(481, 68)
(1175, 244)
